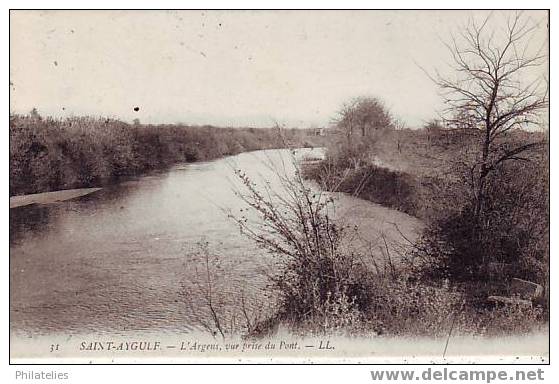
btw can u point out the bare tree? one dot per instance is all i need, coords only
(312, 266)
(495, 90)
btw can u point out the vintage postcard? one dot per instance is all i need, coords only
(279, 186)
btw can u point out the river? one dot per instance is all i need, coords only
(125, 258)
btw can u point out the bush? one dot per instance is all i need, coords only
(506, 320)
(212, 306)
(409, 307)
(404, 307)
(514, 230)
(315, 275)
(390, 188)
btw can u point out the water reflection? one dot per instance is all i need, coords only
(28, 219)
(115, 260)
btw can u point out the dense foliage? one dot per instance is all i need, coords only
(50, 154)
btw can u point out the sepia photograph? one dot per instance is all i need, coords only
(279, 186)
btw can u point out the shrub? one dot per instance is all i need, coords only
(390, 188)
(404, 307)
(314, 274)
(514, 230)
(505, 320)
(408, 307)
(211, 304)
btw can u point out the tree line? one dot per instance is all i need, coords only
(49, 154)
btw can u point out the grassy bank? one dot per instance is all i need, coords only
(325, 281)
(49, 154)
(426, 174)
(393, 189)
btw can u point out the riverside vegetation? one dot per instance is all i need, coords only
(48, 154)
(479, 179)
(321, 284)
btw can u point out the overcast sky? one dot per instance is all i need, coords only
(234, 68)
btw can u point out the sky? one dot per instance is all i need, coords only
(230, 68)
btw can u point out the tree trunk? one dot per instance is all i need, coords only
(484, 171)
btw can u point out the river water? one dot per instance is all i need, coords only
(126, 258)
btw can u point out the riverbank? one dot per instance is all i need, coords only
(447, 270)
(48, 154)
(50, 197)
(127, 259)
